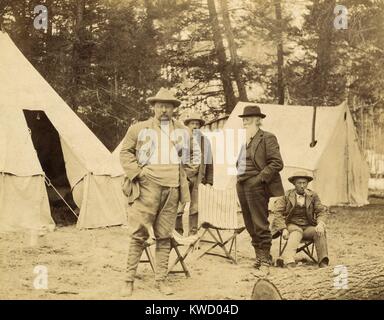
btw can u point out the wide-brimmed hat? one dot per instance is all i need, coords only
(164, 95)
(301, 175)
(252, 111)
(195, 116)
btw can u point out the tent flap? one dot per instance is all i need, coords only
(97, 210)
(24, 204)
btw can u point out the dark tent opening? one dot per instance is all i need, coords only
(47, 144)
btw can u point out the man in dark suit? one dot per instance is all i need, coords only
(258, 179)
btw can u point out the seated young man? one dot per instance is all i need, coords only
(300, 214)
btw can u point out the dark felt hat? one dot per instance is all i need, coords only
(252, 111)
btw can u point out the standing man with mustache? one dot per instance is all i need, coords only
(155, 183)
(258, 179)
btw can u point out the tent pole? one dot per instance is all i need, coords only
(313, 140)
(347, 151)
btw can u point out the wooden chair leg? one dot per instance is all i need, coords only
(236, 248)
(219, 242)
(180, 259)
(282, 246)
(201, 238)
(309, 252)
(233, 245)
(312, 253)
(214, 243)
(150, 259)
(222, 245)
(183, 256)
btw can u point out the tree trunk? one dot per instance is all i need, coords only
(47, 57)
(2, 13)
(323, 61)
(360, 281)
(236, 68)
(280, 53)
(116, 83)
(324, 49)
(51, 14)
(76, 54)
(224, 68)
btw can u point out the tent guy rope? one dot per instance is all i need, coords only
(49, 184)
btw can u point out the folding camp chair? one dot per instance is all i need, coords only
(217, 213)
(306, 246)
(180, 258)
(176, 242)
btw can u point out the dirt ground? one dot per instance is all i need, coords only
(90, 264)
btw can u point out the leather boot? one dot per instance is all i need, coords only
(193, 220)
(163, 287)
(263, 261)
(163, 249)
(266, 258)
(179, 224)
(127, 289)
(258, 255)
(135, 250)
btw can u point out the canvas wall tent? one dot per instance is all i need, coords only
(116, 152)
(336, 162)
(116, 159)
(91, 171)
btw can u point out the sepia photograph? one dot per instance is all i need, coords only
(209, 150)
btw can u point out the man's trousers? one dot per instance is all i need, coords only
(254, 198)
(193, 209)
(155, 207)
(296, 234)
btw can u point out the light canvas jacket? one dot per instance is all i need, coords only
(132, 150)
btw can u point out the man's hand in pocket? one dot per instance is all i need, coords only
(256, 181)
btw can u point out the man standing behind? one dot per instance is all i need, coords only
(155, 184)
(258, 179)
(198, 171)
